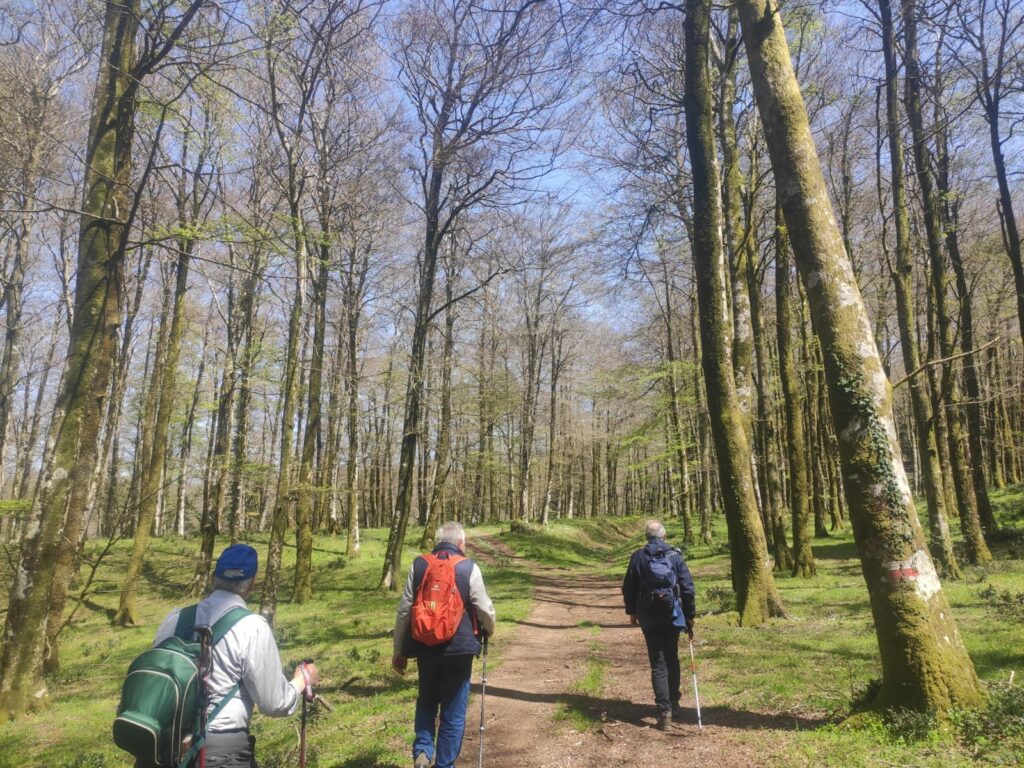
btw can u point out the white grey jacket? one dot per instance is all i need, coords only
(247, 654)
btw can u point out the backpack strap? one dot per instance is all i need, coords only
(186, 622)
(221, 627)
(197, 744)
(226, 623)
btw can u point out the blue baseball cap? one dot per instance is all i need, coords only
(237, 563)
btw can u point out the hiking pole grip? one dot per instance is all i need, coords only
(307, 692)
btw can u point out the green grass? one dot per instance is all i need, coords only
(579, 706)
(347, 629)
(786, 687)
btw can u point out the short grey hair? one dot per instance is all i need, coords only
(655, 530)
(229, 585)
(451, 533)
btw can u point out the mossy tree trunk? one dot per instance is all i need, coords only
(672, 386)
(311, 438)
(903, 283)
(73, 439)
(977, 550)
(756, 596)
(769, 471)
(196, 158)
(166, 382)
(949, 211)
(924, 663)
(444, 427)
(737, 237)
(796, 447)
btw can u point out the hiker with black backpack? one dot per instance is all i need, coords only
(442, 617)
(659, 595)
(211, 665)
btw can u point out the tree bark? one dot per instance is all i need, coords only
(977, 550)
(924, 663)
(796, 448)
(74, 431)
(756, 596)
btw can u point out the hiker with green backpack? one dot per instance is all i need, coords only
(212, 663)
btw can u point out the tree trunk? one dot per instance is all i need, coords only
(975, 452)
(153, 476)
(434, 507)
(284, 496)
(924, 663)
(977, 550)
(391, 577)
(796, 448)
(353, 303)
(74, 431)
(311, 439)
(756, 595)
(902, 276)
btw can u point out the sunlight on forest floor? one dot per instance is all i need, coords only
(815, 663)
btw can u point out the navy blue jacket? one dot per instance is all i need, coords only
(465, 641)
(633, 584)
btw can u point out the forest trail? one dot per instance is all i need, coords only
(577, 622)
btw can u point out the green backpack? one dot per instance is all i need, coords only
(160, 698)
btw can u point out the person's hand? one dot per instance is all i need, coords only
(634, 621)
(306, 675)
(399, 663)
(689, 630)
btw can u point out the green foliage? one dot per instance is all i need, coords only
(88, 760)
(14, 506)
(997, 729)
(1009, 605)
(718, 600)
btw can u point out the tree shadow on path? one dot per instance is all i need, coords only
(598, 709)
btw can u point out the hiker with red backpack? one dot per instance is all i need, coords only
(659, 596)
(442, 618)
(237, 668)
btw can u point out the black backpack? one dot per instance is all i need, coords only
(660, 587)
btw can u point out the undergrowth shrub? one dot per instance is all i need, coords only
(996, 727)
(1009, 605)
(718, 600)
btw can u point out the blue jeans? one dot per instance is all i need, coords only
(444, 686)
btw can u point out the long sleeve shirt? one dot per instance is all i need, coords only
(247, 654)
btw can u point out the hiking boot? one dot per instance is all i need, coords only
(421, 761)
(663, 720)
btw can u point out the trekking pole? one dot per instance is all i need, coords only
(696, 695)
(307, 696)
(483, 692)
(205, 671)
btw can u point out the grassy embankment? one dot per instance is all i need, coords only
(784, 686)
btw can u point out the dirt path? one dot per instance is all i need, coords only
(575, 618)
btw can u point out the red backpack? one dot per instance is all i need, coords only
(438, 607)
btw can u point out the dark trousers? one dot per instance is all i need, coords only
(444, 691)
(663, 653)
(228, 749)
